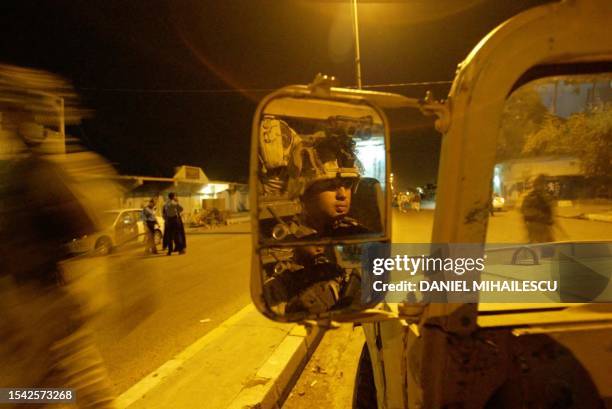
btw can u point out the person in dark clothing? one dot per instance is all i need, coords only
(174, 231)
(537, 210)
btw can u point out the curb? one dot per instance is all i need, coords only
(272, 383)
(599, 217)
(596, 217)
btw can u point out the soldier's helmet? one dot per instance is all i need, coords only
(539, 182)
(322, 157)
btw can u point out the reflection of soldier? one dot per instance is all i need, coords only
(537, 210)
(320, 171)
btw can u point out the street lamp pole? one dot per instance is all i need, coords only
(357, 54)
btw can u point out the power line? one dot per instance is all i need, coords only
(178, 90)
(407, 84)
(244, 90)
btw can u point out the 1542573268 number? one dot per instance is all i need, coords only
(37, 395)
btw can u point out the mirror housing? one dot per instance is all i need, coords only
(320, 193)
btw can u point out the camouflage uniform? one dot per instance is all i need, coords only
(537, 210)
(345, 226)
(45, 339)
(315, 282)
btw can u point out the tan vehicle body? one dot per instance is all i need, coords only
(444, 361)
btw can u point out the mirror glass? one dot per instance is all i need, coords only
(320, 180)
(321, 171)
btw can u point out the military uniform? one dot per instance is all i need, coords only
(537, 210)
(345, 226)
(46, 339)
(314, 284)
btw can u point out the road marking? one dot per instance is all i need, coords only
(138, 390)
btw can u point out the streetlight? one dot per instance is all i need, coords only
(357, 54)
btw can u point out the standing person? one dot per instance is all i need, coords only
(174, 232)
(415, 201)
(403, 202)
(537, 210)
(150, 221)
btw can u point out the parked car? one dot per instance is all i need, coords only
(120, 227)
(498, 203)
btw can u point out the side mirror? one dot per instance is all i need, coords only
(320, 193)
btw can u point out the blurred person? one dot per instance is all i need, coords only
(46, 341)
(415, 201)
(403, 202)
(537, 211)
(174, 231)
(150, 220)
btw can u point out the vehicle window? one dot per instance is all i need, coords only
(552, 180)
(127, 218)
(108, 218)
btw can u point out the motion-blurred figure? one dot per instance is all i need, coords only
(415, 202)
(43, 328)
(537, 210)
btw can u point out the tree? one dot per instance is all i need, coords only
(585, 135)
(523, 115)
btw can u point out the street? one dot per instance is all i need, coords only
(153, 307)
(504, 227)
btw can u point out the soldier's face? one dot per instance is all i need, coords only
(329, 199)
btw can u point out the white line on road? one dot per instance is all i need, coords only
(150, 381)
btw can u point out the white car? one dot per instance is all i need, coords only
(120, 227)
(498, 203)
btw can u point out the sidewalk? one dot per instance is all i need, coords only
(592, 211)
(246, 362)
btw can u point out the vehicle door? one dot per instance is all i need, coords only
(126, 228)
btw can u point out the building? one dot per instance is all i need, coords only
(566, 180)
(193, 188)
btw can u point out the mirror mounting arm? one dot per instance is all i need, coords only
(429, 106)
(409, 313)
(322, 85)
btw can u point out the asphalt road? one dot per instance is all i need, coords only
(149, 308)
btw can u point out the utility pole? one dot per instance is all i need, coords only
(357, 54)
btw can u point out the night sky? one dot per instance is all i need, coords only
(177, 82)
